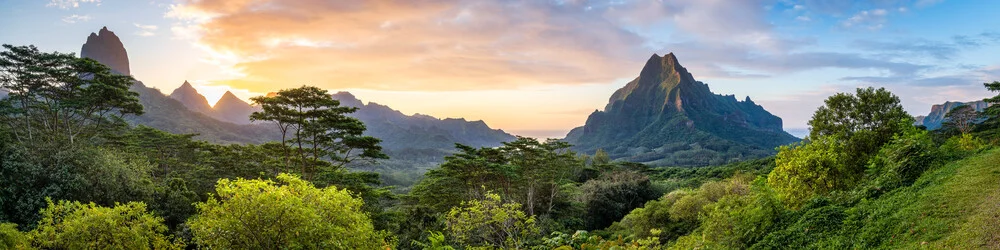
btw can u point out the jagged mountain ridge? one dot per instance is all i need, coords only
(229, 108)
(936, 117)
(666, 117)
(400, 131)
(417, 138)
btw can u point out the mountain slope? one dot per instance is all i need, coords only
(938, 112)
(666, 117)
(189, 96)
(401, 132)
(407, 139)
(165, 113)
(231, 109)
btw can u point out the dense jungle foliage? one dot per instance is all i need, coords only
(75, 175)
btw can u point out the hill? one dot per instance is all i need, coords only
(666, 117)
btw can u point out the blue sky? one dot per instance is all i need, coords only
(537, 68)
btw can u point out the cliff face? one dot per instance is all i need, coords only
(105, 47)
(938, 112)
(664, 115)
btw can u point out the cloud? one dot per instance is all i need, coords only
(472, 45)
(923, 48)
(75, 18)
(68, 4)
(407, 45)
(870, 19)
(145, 30)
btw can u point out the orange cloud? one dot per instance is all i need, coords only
(411, 44)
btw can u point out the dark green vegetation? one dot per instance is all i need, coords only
(666, 118)
(74, 174)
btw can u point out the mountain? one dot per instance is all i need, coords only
(105, 47)
(938, 111)
(232, 109)
(421, 133)
(409, 140)
(165, 113)
(665, 117)
(168, 114)
(189, 96)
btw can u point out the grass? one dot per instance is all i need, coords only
(956, 206)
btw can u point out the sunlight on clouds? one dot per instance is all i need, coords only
(433, 45)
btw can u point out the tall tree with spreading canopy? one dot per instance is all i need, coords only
(867, 120)
(56, 97)
(316, 132)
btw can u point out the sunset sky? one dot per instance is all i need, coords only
(536, 68)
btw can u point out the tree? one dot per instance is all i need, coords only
(72, 225)
(962, 118)
(810, 169)
(866, 120)
(315, 130)
(526, 171)
(100, 175)
(613, 195)
(992, 113)
(56, 98)
(261, 214)
(491, 223)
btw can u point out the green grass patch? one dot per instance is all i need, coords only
(954, 207)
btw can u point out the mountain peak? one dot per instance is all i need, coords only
(347, 99)
(189, 96)
(666, 106)
(106, 48)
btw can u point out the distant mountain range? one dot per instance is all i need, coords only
(416, 137)
(665, 117)
(938, 112)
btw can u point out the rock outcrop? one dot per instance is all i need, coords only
(105, 47)
(936, 118)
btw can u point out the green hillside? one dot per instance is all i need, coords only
(956, 207)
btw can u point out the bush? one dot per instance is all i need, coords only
(491, 223)
(11, 238)
(810, 169)
(615, 194)
(739, 221)
(72, 225)
(259, 214)
(900, 162)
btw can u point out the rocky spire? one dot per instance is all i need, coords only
(106, 48)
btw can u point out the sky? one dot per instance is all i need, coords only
(536, 68)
